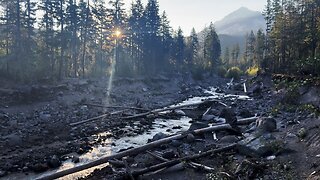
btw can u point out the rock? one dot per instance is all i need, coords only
(312, 96)
(179, 112)
(229, 115)
(176, 143)
(197, 125)
(108, 170)
(302, 133)
(257, 88)
(44, 116)
(228, 139)
(4, 117)
(40, 167)
(208, 117)
(177, 127)
(169, 154)
(245, 113)
(84, 108)
(3, 173)
(60, 93)
(143, 160)
(54, 162)
(159, 136)
(75, 159)
(190, 138)
(265, 125)
(262, 146)
(14, 140)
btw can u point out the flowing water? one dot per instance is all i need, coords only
(112, 145)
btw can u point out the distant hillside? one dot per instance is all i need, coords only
(240, 22)
(233, 28)
(230, 41)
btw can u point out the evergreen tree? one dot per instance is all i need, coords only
(179, 49)
(212, 47)
(166, 41)
(151, 40)
(136, 24)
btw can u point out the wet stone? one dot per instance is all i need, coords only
(262, 146)
(169, 154)
(159, 136)
(54, 162)
(190, 138)
(3, 173)
(228, 139)
(229, 115)
(197, 125)
(265, 125)
(75, 159)
(245, 113)
(40, 167)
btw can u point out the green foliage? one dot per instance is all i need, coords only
(234, 72)
(252, 71)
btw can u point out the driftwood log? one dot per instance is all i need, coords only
(121, 107)
(132, 151)
(169, 109)
(177, 161)
(96, 118)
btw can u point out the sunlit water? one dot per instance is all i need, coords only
(112, 145)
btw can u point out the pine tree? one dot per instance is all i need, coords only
(212, 47)
(226, 57)
(135, 26)
(151, 40)
(166, 42)
(179, 49)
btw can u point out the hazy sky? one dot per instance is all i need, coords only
(199, 13)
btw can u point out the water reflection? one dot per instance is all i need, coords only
(111, 145)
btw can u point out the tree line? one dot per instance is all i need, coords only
(293, 37)
(86, 38)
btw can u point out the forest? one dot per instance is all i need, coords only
(65, 38)
(57, 39)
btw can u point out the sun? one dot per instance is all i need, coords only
(118, 33)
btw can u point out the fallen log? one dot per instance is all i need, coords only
(177, 161)
(167, 109)
(246, 121)
(124, 107)
(201, 167)
(132, 151)
(98, 117)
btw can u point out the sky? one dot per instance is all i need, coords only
(199, 13)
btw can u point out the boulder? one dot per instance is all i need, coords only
(54, 162)
(266, 125)
(245, 113)
(262, 146)
(190, 138)
(197, 125)
(40, 167)
(229, 115)
(228, 139)
(159, 136)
